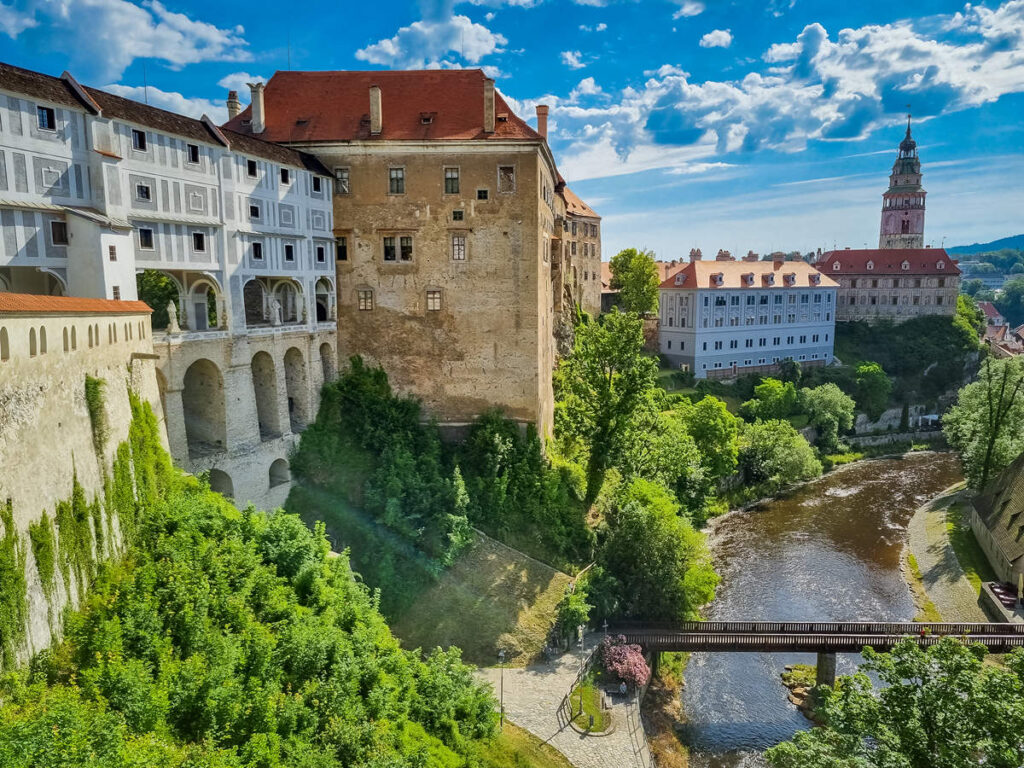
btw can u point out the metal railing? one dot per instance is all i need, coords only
(820, 627)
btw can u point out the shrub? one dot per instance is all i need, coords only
(623, 660)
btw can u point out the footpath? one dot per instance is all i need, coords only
(532, 698)
(944, 579)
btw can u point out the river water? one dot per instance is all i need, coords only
(828, 552)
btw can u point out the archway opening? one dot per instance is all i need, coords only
(295, 381)
(254, 298)
(288, 298)
(323, 300)
(203, 402)
(279, 473)
(264, 384)
(157, 289)
(220, 481)
(330, 369)
(203, 307)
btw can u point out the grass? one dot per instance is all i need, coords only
(591, 707)
(517, 748)
(968, 552)
(874, 451)
(926, 610)
(800, 676)
(492, 598)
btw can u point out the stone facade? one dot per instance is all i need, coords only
(581, 244)
(95, 188)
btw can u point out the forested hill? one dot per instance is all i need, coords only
(1015, 242)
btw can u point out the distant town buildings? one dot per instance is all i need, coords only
(725, 318)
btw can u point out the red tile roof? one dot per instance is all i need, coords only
(767, 274)
(68, 305)
(576, 206)
(666, 269)
(888, 261)
(335, 106)
(988, 309)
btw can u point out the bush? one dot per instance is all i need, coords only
(625, 661)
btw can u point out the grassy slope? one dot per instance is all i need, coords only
(515, 748)
(972, 558)
(491, 597)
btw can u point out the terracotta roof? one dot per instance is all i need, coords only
(68, 305)
(996, 332)
(989, 309)
(1001, 508)
(766, 274)
(575, 206)
(665, 270)
(416, 105)
(888, 261)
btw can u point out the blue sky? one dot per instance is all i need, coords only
(686, 123)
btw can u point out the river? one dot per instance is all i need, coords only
(830, 551)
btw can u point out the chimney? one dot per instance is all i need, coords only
(234, 105)
(488, 105)
(542, 120)
(723, 256)
(778, 259)
(259, 111)
(376, 111)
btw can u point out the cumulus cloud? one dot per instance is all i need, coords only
(573, 59)
(587, 87)
(239, 81)
(103, 37)
(425, 43)
(717, 38)
(689, 8)
(599, 28)
(172, 102)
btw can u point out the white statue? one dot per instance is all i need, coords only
(172, 318)
(275, 312)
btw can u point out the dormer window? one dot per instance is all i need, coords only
(815, 279)
(835, 266)
(748, 278)
(940, 265)
(790, 278)
(770, 279)
(426, 118)
(871, 265)
(905, 265)
(718, 278)
(680, 278)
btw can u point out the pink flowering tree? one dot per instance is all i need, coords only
(623, 660)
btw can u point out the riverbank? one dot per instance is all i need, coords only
(662, 712)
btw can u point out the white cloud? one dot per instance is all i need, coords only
(425, 43)
(689, 8)
(572, 59)
(239, 81)
(172, 102)
(103, 37)
(717, 38)
(13, 22)
(601, 27)
(587, 87)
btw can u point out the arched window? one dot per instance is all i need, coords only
(67, 346)
(905, 265)
(835, 266)
(871, 265)
(74, 339)
(90, 337)
(5, 346)
(42, 340)
(941, 265)
(31, 342)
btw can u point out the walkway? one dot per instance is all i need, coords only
(532, 699)
(944, 580)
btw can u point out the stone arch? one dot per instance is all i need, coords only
(264, 384)
(254, 297)
(330, 368)
(202, 399)
(220, 481)
(289, 294)
(204, 305)
(280, 474)
(5, 345)
(324, 293)
(295, 382)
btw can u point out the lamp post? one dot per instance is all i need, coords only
(579, 631)
(604, 626)
(501, 710)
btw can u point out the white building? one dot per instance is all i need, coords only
(721, 319)
(95, 189)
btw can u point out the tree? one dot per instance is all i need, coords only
(158, 290)
(715, 431)
(986, 426)
(789, 370)
(625, 661)
(635, 277)
(830, 411)
(772, 455)
(873, 389)
(600, 388)
(969, 317)
(773, 399)
(971, 287)
(1010, 301)
(936, 707)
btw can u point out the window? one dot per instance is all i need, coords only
(318, 184)
(254, 212)
(257, 251)
(506, 179)
(198, 242)
(814, 338)
(451, 181)
(365, 300)
(396, 181)
(718, 345)
(143, 192)
(341, 249)
(574, 228)
(938, 299)
(250, 168)
(112, 252)
(116, 292)
(289, 252)
(341, 181)
(733, 344)
(459, 247)
(193, 153)
(433, 301)
(58, 233)
(405, 244)
(749, 343)
(458, 215)
(286, 176)
(942, 282)
(46, 118)
(389, 249)
(481, 194)
(146, 239)
(321, 254)
(139, 140)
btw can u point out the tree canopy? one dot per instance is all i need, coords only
(1010, 301)
(773, 399)
(829, 410)
(873, 389)
(773, 455)
(635, 277)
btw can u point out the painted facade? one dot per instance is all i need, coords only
(903, 203)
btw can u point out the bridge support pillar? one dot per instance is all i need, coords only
(826, 672)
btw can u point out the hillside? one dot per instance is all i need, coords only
(1014, 241)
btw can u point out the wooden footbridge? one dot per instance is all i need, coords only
(823, 638)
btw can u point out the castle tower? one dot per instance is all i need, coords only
(903, 202)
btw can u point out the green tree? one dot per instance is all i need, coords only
(873, 389)
(716, 433)
(939, 707)
(830, 411)
(635, 277)
(158, 290)
(969, 317)
(600, 388)
(1010, 301)
(971, 287)
(773, 455)
(789, 370)
(773, 399)
(986, 426)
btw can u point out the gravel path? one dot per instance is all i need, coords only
(944, 580)
(532, 698)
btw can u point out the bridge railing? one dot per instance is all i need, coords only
(819, 627)
(807, 643)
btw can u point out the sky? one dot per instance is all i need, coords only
(738, 124)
